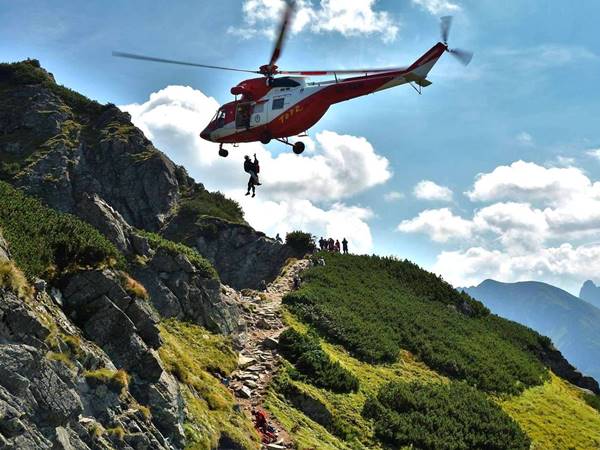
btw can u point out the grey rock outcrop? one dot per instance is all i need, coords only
(125, 328)
(45, 401)
(554, 359)
(107, 157)
(177, 289)
(243, 256)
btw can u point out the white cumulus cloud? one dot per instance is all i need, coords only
(310, 189)
(338, 221)
(429, 190)
(349, 18)
(441, 225)
(565, 265)
(436, 7)
(541, 223)
(527, 181)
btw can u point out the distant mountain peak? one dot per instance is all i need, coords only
(590, 293)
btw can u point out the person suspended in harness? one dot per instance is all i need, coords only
(252, 168)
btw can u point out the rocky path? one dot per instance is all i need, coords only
(259, 359)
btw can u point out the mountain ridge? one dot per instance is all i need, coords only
(572, 323)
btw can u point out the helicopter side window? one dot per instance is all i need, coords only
(278, 103)
(284, 82)
(258, 108)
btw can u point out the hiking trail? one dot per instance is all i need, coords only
(259, 358)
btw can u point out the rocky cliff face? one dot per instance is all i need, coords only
(242, 256)
(59, 383)
(106, 157)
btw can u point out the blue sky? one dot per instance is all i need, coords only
(530, 95)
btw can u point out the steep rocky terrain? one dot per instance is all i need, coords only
(57, 387)
(85, 347)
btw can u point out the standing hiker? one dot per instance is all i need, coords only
(345, 246)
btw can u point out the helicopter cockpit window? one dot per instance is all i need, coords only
(278, 103)
(284, 82)
(221, 118)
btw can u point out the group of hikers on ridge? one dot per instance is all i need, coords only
(333, 246)
(252, 168)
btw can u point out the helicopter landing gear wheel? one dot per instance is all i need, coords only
(299, 147)
(265, 139)
(222, 152)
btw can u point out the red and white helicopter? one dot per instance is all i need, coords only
(279, 108)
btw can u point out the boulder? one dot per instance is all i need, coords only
(177, 289)
(165, 400)
(109, 222)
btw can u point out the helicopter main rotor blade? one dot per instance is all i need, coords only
(181, 63)
(286, 20)
(316, 73)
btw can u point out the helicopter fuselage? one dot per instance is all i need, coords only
(278, 108)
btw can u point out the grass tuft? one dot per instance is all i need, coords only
(117, 433)
(116, 380)
(61, 357)
(13, 279)
(133, 287)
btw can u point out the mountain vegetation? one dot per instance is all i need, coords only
(313, 364)
(440, 417)
(345, 299)
(45, 242)
(300, 241)
(571, 323)
(356, 303)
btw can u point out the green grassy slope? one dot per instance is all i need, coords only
(361, 305)
(556, 416)
(195, 357)
(376, 306)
